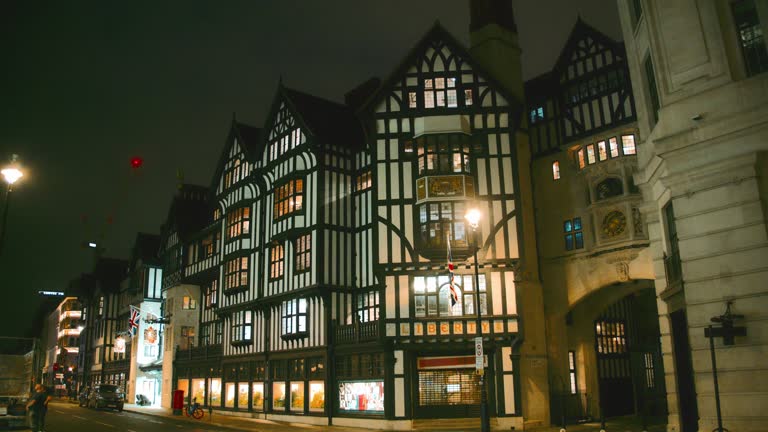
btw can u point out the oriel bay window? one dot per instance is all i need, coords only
(239, 222)
(236, 274)
(294, 318)
(443, 154)
(242, 326)
(288, 198)
(441, 221)
(432, 296)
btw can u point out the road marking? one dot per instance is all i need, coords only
(131, 430)
(105, 424)
(155, 421)
(81, 418)
(60, 412)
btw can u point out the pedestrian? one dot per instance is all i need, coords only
(38, 406)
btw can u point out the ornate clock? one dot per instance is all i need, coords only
(614, 223)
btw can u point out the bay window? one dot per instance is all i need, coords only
(294, 317)
(288, 198)
(242, 326)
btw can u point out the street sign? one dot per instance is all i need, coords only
(59, 376)
(479, 353)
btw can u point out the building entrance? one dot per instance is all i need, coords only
(630, 374)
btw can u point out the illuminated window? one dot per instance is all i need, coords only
(212, 294)
(188, 303)
(628, 144)
(242, 326)
(590, 154)
(650, 381)
(580, 155)
(572, 371)
(239, 222)
(440, 92)
(432, 296)
(574, 237)
(537, 115)
(363, 181)
(412, 100)
(285, 142)
(611, 337)
(236, 273)
(602, 151)
(288, 198)
(468, 97)
(556, 170)
(276, 261)
(614, 145)
(294, 317)
(443, 154)
(367, 308)
(236, 171)
(441, 221)
(303, 246)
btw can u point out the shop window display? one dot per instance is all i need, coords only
(229, 400)
(198, 390)
(297, 396)
(214, 392)
(316, 396)
(361, 396)
(242, 395)
(257, 398)
(278, 395)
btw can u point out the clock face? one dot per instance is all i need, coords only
(614, 223)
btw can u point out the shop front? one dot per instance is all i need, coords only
(447, 387)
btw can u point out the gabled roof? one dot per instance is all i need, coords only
(251, 141)
(189, 212)
(580, 30)
(439, 32)
(328, 122)
(145, 248)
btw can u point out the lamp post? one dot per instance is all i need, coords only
(11, 174)
(473, 217)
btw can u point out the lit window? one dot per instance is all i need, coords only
(368, 306)
(211, 294)
(303, 253)
(242, 326)
(188, 303)
(412, 100)
(650, 373)
(468, 97)
(236, 273)
(602, 151)
(295, 137)
(574, 237)
(556, 170)
(537, 115)
(591, 154)
(628, 144)
(288, 198)
(432, 296)
(443, 154)
(238, 222)
(294, 317)
(750, 35)
(236, 172)
(276, 263)
(611, 337)
(363, 181)
(580, 154)
(439, 221)
(614, 145)
(572, 371)
(440, 92)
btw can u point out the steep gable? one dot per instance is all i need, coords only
(242, 150)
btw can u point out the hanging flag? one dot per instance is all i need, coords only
(454, 290)
(133, 321)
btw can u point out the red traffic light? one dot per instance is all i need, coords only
(136, 162)
(56, 367)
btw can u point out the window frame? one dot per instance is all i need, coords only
(236, 275)
(188, 303)
(438, 294)
(302, 249)
(435, 150)
(425, 221)
(276, 261)
(241, 326)
(293, 320)
(288, 199)
(238, 223)
(556, 170)
(573, 236)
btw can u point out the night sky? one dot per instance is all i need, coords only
(86, 85)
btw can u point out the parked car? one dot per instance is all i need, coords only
(106, 396)
(82, 398)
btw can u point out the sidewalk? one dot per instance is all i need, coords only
(233, 422)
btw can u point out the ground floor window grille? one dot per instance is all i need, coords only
(649, 370)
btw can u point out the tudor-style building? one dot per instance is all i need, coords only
(323, 274)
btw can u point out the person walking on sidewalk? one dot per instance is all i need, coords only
(38, 406)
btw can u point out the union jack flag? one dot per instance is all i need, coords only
(453, 289)
(133, 321)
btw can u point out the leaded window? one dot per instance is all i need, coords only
(367, 307)
(236, 172)
(236, 273)
(239, 222)
(443, 154)
(288, 198)
(432, 296)
(294, 317)
(276, 261)
(212, 294)
(574, 236)
(440, 92)
(441, 221)
(242, 326)
(303, 253)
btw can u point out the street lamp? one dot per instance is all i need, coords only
(473, 217)
(11, 174)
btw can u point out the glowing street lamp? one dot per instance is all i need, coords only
(473, 217)
(11, 174)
